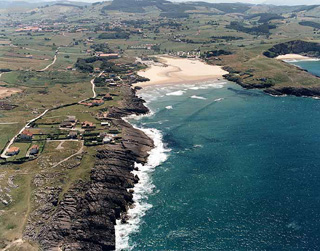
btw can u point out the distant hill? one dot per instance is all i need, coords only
(28, 4)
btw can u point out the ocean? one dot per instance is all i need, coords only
(233, 169)
(313, 66)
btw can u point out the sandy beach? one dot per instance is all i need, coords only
(6, 92)
(293, 57)
(179, 70)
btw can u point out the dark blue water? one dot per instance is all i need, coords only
(243, 172)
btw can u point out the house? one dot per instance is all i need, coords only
(106, 123)
(97, 102)
(66, 124)
(13, 151)
(86, 103)
(87, 125)
(34, 149)
(108, 55)
(73, 135)
(107, 97)
(106, 140)
(71, 119)
(26, 135)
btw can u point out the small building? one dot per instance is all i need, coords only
(105, 123)
(97, 102)
(71, 119)
(107, 97)
(88, 125)
(26, 135)
(66, 124)
(106, 140)
(108, 55)
(13, 151)
(73, 135)
(34, 149)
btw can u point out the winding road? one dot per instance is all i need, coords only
(53, 62)
(3, 154)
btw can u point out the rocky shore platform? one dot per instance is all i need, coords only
(85, 217)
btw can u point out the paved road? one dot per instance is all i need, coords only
(3, 155)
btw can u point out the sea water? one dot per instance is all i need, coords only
(233, 169)
(313, 66)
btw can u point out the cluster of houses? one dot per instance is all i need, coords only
(143, 47)
(186, 54)
(26, 135)
(69, 123)
(97, 102)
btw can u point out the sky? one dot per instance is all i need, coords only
(275, 2)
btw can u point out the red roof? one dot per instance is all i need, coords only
(98, 101)
(13, 149)
(27, 132)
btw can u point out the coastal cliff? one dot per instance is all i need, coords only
(304, 48)
(84, 218)
(275, 76)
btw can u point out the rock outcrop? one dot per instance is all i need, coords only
(296, 91)
(84, 218)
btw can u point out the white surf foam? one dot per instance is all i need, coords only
(141, 191)
(301, 60)
(219, 99)
(176, 93)
(198, 97)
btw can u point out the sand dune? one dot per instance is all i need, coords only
(180, 70)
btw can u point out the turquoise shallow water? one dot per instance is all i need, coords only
(312, 66)
(243, 172)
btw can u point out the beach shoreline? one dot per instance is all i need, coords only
(289, 57)
(173, 70)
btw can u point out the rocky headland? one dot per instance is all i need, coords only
(310, 49)
(84, 218)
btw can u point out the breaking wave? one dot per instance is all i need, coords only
(141, 190)
(197, 97)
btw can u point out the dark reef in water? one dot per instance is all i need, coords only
(296, 91)
(84, 218)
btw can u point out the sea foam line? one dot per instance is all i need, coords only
(142, 189)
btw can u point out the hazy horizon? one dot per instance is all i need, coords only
(274, 2)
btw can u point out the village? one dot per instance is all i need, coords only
(91, 127)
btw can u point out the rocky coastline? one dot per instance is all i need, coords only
(311, 49)
(85, 217)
